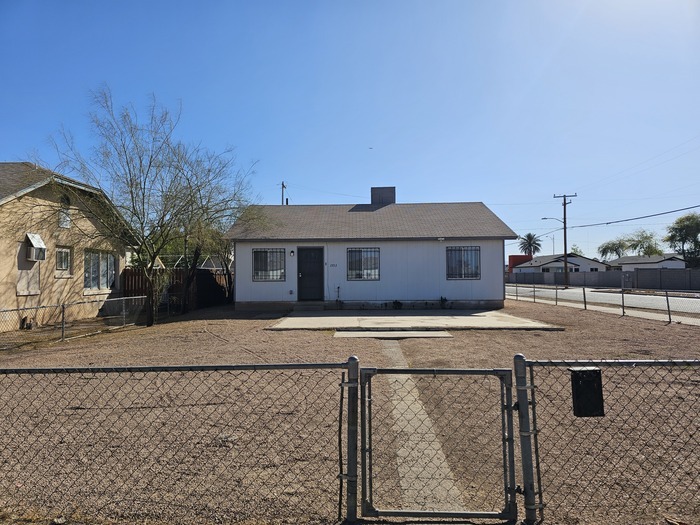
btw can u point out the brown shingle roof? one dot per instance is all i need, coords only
(456, 220)
(17, 178)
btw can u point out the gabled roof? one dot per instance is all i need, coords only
(456, 220)
(549, 259)
(20, 178)
(646, 259)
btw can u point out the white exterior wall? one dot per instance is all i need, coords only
(408, 271)
(663, 264)
(583, 265)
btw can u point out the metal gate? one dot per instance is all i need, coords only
(437, 443)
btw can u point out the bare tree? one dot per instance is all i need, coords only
(166, 191)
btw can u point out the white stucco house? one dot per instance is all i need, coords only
(377, 255)
(555, 264)
(633, 262)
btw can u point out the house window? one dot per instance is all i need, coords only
(64, 213)
(63, 260)
(363, 264)
(269, 264)
(463, 262)
(545, 270)
(594, 269)
(100, 270)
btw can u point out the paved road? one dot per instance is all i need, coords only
(606, 297)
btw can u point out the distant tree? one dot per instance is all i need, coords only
(617, 248)
(530, 244)
(575, 249)
(684, 238)
(167, 192)
(644, 242)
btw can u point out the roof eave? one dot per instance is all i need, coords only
(375, 239)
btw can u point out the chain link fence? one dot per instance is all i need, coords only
(617, 440)
(268, 443)
(172, 444)
(26, 326)
(438, 443)
(666, 306)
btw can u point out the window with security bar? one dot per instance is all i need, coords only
(269, 264)
(463, 262)
(363, 264)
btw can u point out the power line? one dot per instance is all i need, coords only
(636, 218)
(619, 173)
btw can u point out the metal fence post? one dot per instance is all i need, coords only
(516, 291)
(556, 294)
(622, 293)
(353, 389)
(585, 306)
(123, 312)
(523, 402)
(668, 307)
(534, 294)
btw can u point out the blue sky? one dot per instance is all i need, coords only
(504, 102)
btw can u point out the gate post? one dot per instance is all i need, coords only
(353, 389)
(523, 399)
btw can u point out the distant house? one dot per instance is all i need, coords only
(377, 255)
(555, 264)
(633, 262)
(52, 250)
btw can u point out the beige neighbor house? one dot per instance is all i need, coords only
(53, 250)
(378, 255)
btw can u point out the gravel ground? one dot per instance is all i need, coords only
(223, 336)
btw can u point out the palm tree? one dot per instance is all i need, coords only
(530, 244)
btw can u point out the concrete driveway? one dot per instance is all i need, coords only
(400, 324)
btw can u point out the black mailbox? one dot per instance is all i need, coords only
(587, 391)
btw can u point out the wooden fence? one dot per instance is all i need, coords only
(208, 288)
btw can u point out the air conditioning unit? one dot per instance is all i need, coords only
(36, 249)
(36, 254)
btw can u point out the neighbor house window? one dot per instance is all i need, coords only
(64, 213)
(269, 264)
(63, 260)
(100, 270)
(363, 264)
(463, 262)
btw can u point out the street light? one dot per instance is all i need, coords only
(551, 237)
(566, 260)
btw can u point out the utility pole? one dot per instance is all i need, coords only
(284, 187)
(564, 202)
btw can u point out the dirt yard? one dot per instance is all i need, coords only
(223, 336)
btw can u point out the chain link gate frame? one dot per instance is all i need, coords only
(434, 429)
(604, 438)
